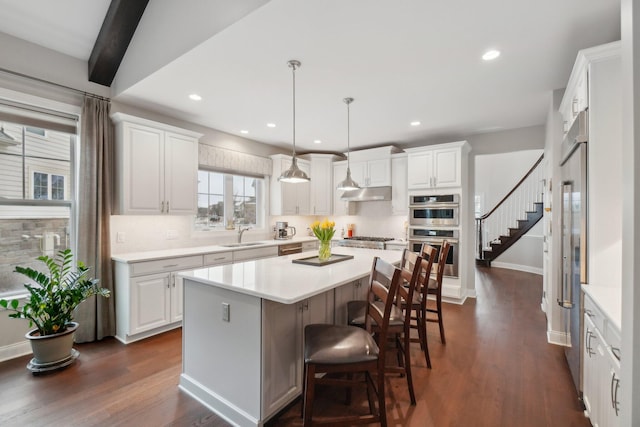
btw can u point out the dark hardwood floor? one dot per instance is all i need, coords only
(495, 370)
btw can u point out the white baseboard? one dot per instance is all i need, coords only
(558, 338)
(525, 268)
(12, 351)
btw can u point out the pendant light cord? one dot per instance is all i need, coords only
(293, 68)
(348, 136)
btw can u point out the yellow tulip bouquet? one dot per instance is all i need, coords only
(324, 231)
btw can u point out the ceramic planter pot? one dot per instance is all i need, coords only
(52, 351)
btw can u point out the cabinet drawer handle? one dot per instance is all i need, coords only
(162, 207)
(588, 312)
(167, 206)
(616, 352)
(220, 258)
(615, 385)
(170, 266)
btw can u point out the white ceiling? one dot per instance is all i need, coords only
(401, 60)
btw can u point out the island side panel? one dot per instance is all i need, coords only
(221, 360)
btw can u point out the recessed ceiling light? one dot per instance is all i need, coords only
(415, 123)
(490, 55)
(195, 97)
(271, 125)
(317, 141)
(244, 131)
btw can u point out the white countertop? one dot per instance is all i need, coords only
(199, 250)
(280, 280)
(609, 299)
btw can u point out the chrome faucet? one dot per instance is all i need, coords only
(241, 231)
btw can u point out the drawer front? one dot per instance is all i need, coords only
(309, 246)
(612, 336)
(218, 258)
(593, 312)
(250, 254)
(166, 265)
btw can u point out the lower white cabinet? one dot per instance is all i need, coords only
(354, 291)
(148, 296)
(283, 343)
(601, 368)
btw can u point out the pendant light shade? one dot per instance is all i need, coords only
(294, 174)
(348, 183)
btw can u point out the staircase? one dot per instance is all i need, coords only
(512, 217)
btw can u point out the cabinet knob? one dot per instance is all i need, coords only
(162, 207)
(167, 206)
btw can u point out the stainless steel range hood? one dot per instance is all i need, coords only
(367, 194)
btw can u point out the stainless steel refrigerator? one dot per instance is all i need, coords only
(574, 240)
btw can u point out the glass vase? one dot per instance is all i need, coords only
(324, 252)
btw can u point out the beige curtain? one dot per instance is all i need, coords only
(96, 316)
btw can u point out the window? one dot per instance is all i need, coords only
(36, 188)
(225, 200)
(48, 186)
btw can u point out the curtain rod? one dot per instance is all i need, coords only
(82, 92)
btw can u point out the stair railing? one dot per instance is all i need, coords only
(505, 215)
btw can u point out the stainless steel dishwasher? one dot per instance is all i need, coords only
(290, 248)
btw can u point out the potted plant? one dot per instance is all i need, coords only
(50, 307)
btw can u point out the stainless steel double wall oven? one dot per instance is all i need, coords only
(433, 219)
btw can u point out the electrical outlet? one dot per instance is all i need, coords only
(172, 234)
(226, 312)
(120, 237)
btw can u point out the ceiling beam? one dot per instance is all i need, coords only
(117, 30)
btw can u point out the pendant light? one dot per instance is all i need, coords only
(348, 183)
(294, 174)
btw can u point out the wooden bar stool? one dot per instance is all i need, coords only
(400, 321)
(349, 349)
(434, 287)
(419, 300)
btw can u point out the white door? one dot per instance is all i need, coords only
(282, 354)
(143, 160)
(181, 174)
(420, 170)
(446, 165)
(150, 302)
(379, 173)
(177, 286)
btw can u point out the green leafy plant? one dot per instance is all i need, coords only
(55, 295)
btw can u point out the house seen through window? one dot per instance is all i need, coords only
(226, 200)
(36, 191)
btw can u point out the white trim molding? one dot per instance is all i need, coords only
(12, 351)
(525, 268)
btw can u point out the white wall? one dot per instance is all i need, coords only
(495, 176)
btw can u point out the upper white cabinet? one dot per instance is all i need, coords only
(399, 189)
(288, 198)
(157, 167)
(322, 188)
(436, 166)
(372, 167)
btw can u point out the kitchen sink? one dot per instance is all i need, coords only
(239, 245)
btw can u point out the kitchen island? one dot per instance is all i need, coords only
(243, 327)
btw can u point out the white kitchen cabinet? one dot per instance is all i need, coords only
(355, 291)
(372, 173)
(340, 207)
(157, 167)
(601, 367)
(437, 166)
(399, 187)
(322, 187)
(283, 343)
(254, 253)
(288, 198)
(149, 296)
